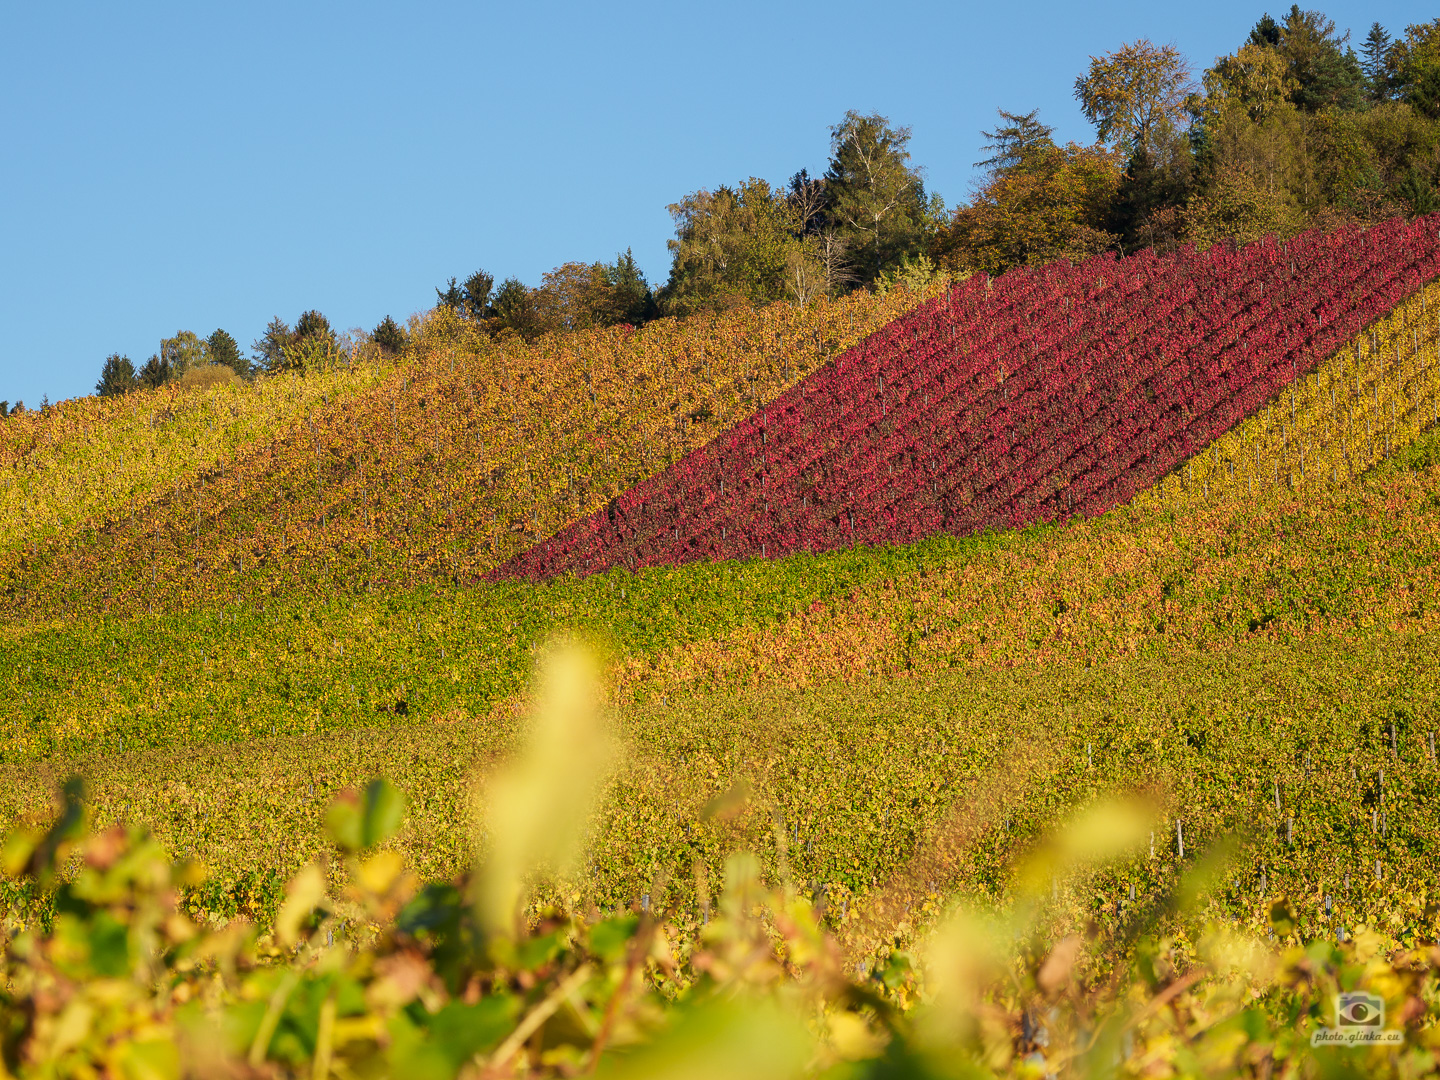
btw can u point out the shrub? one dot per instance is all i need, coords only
(207, 376)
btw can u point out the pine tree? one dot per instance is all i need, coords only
(1015, 141)
(116, 377)
(155, 373)
(269, 347)
(224, 349)
(389, 335)
(1376, 63)
(478, 287)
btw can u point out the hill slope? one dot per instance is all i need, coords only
(465, 453)
(1045, 393)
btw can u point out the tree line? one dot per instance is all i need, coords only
(1294, 129)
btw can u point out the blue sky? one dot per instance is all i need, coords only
(190, 166)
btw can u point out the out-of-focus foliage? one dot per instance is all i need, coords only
(109, 963)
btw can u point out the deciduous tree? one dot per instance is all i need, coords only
(184, 352)
(1134, 94)
(1053, 204)
(732, 246)
(876, 198)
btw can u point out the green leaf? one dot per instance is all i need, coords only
(461, 1031)
(358, 823)
(535, 952)
(109, 946)
(610, 938)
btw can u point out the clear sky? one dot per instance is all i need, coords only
(193, 166)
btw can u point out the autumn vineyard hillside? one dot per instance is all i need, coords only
(432, 470)
(1043, 394)
(886, 588)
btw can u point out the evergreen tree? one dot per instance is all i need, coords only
(1321, 69)
(312, 326)
(516, 309)
(389, 335)
(629, 298)
(1376, 63)
(155, 373)
(1415, 63)
(116, 377)
(269, 348)
(224, 349)
(453, 297)
(478, 287)
(1016, 141)
(471, 299)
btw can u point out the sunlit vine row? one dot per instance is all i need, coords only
(1363, 403)
(84, 461)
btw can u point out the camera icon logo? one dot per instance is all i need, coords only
(1359, 1010)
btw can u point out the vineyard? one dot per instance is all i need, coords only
(1048, 393)
(437, 471)
(93, 460)
(885, 591)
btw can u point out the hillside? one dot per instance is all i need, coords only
(1251, 641)
(464, 453)
(1047, 393)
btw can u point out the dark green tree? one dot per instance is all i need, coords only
(453, 297)
(116, 377)
(516, 309)
(1323, 69)
(877, 199)
(1158, 180)
(1375, 62)
(389, 335)
(1417, 191)
(472, 299)
(1415, 62)
(269, 347)
(155, 373)
(1016, 141)
(224, 349)
(478, 287)
(628, 298)
(312, 326)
